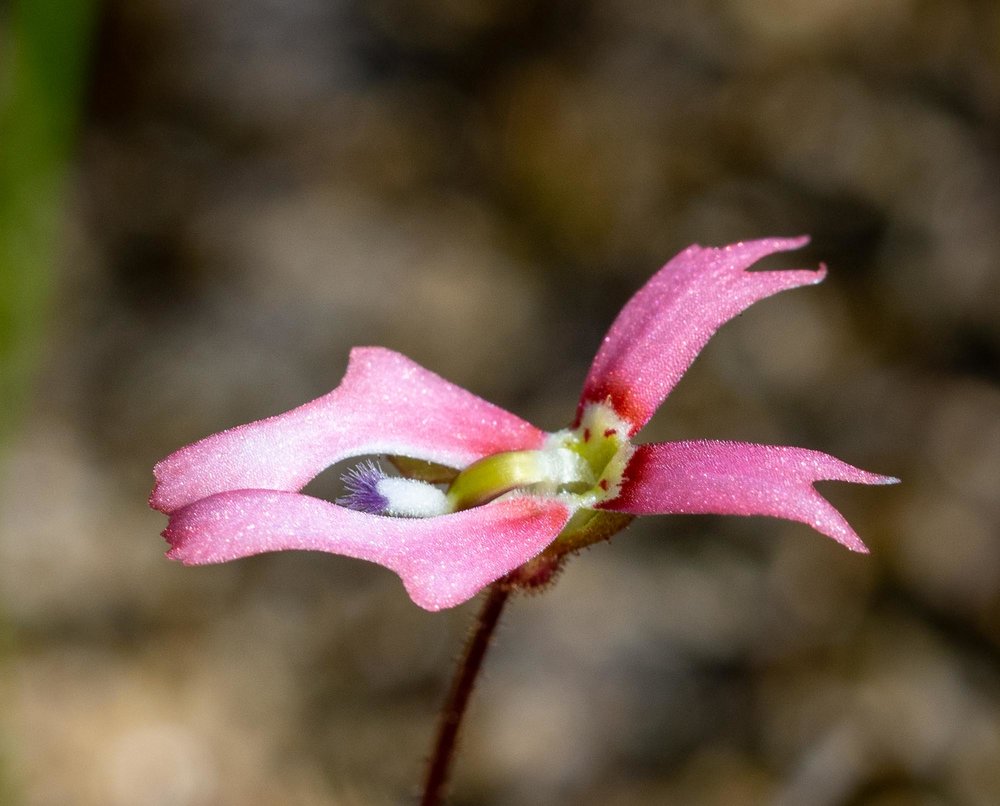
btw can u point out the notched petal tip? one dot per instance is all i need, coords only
(175, 549)
(768, 246)
(159, 496)
(820, 273)
(154, 498)
(829, 468)
(745, 256)
(733, 478)
(661, 330)
(783, 243)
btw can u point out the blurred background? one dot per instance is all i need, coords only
(204, 205)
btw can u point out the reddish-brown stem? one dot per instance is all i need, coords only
(461, 689)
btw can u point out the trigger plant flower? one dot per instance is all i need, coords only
(478, 494)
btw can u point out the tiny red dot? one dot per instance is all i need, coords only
(609, 431)
(603, 484)
(586, 435)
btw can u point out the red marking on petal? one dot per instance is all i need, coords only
(621, 398)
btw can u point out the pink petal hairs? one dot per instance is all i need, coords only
(482, 495)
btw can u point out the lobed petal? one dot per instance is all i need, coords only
(442, 561)
(737, 478)
(386, 403)
(661, 330)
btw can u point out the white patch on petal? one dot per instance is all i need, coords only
(408, 498)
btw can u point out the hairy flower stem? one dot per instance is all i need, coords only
(461, 689)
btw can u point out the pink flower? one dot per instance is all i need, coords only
(517, 499)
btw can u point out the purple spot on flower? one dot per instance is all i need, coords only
(361, 483)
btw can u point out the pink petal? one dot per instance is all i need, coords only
(737, 478)
(386, 403)
(661, 330)
(442, 561)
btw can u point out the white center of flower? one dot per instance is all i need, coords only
(560, 466)
(408, 498)
(601, 441)
(582, 466)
